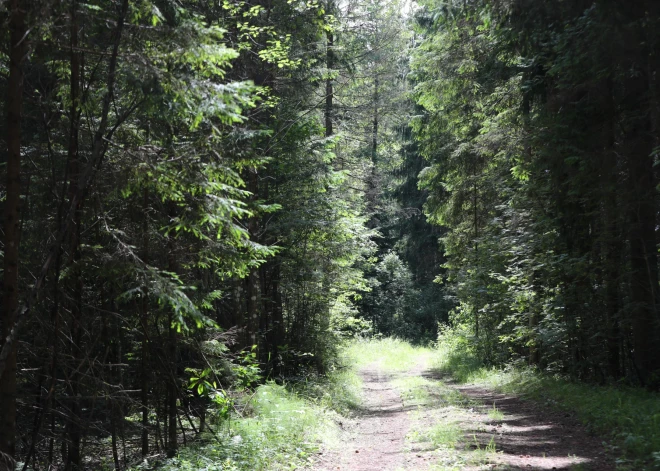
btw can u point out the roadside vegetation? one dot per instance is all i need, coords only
(276, 428)
(272, 426)
(629, 417)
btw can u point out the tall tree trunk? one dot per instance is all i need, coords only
(642, 210)
(475, 217)
(238, 311)
(277, 330)
(266, 317)
(101, 139)
(252, 293)
(171, 375)
(611, 243)
(374, 130)
(172, 444)
(74, 458)
(643, 257)
(17, 51)
(252, 280)
(144, 320)
(329, 92)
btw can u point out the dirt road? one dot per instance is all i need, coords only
(415, 421)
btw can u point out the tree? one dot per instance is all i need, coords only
(535, 129)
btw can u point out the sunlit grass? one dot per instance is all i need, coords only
(495, 413)
(390, 354)
(340, 390)
(280, 430)
(444, 434)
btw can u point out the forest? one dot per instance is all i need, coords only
(209, 201)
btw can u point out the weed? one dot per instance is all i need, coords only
(445, 435)
(495, 414)
(339, 391)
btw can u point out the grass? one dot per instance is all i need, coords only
(445, 434)
(629, 416)
(339, 391)
(454, 451)
(495, 414)
(282, 431)
(391, 355)
(279, 427)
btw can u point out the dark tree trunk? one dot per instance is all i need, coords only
(611, 245)
(171, 375)
(74, 458)
(638, 146)
(329, 92)
(17, 51)
(144, 320)
(374, 130)
(643, 256)
(252, 318)
(252, 280)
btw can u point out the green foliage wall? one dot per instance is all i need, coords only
(540, 171)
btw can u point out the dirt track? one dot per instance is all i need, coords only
(408, 419)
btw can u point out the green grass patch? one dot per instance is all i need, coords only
(391, 354)
(495, 413)
(421, 391)
(630, 416)
(445, 435)
(278, 427)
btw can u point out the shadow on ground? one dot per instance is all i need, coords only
(521, 434)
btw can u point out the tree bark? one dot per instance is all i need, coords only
(329, 92)
(611, 244)
(643, 258)
(252, 280)
(17, 52)
(171, 375)
(74, 458)
(144, 318)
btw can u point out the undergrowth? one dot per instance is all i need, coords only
(630, 416)
(277, 427)
(281, 427)
(281, 430)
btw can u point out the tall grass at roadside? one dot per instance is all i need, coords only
(280, 430)
(339, 391)
(630, 416)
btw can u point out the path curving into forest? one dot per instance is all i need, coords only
(418, 421)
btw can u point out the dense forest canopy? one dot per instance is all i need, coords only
(204, 195)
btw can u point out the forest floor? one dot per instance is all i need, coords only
(414, 419)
